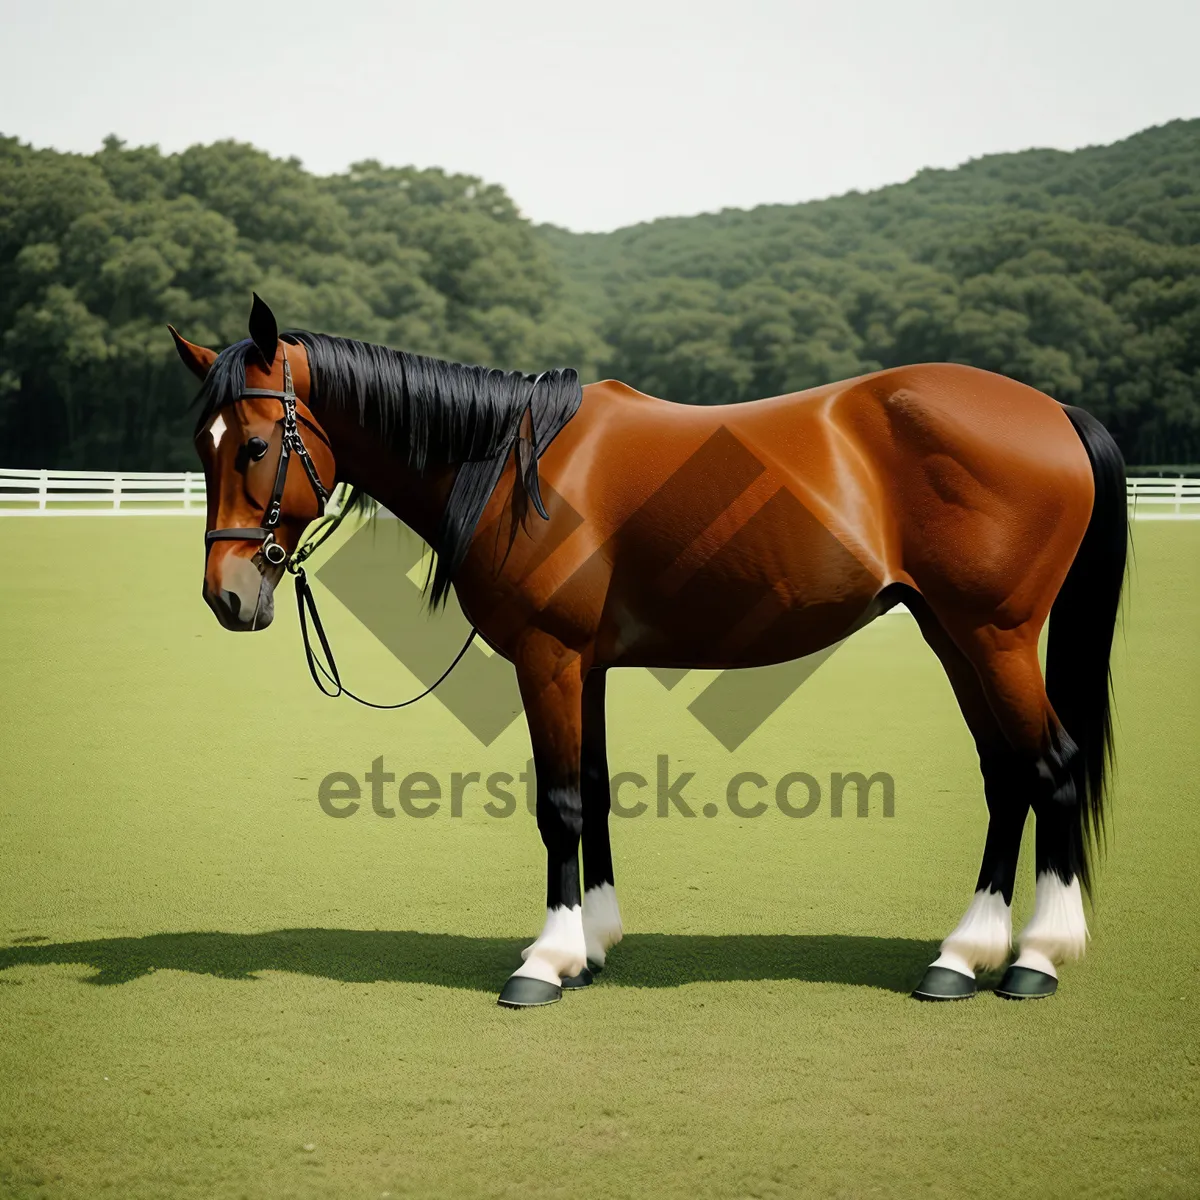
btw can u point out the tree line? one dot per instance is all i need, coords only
(1078, 273)
(98, 253)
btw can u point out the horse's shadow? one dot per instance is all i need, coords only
(482, 963)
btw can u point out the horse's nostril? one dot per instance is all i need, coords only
(232, 602)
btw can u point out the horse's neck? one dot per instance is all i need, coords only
(385, 474)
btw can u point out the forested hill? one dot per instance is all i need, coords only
(1077, 272)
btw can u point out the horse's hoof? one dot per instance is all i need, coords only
(523, 992)
(594, 967)
(941, 983)
(1024, 983)
(582, 980)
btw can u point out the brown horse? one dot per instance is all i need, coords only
(597, 527)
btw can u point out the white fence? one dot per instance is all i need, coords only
(157, 493)
(1164, 499)
(100, 493)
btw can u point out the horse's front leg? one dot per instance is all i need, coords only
(601, 914)
(551, 681)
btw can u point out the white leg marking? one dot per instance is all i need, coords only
(981, 939)
(559, 951)
(601, 921)
(1037, 961)
(1057, 931)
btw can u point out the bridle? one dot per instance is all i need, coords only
(290, 443)
(274, 553)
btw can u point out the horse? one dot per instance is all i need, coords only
(587, 528)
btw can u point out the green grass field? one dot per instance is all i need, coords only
(210, 988)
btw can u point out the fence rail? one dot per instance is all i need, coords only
(25, 493)
(1164, 499)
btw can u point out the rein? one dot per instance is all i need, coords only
(325, 673)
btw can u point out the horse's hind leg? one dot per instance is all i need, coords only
(601, 914)
(1006, 662)
(1057, 930)
(983, 938)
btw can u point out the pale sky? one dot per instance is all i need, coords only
(611, 113)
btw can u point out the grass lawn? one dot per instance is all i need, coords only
(211, 988)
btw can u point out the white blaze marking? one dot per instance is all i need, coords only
(216, 429)
(981, 939)
(559, 951)
(601, 921)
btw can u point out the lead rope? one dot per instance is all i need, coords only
(326, 673)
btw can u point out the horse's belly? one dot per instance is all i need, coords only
(749, 619)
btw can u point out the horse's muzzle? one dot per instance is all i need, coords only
(246, 601)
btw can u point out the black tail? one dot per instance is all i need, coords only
(1082, 622)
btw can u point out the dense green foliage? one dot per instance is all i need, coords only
(1076, 272)
(98, 253)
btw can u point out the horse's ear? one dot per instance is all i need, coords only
(264, 330)
(197, 359)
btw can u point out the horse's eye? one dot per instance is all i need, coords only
(256, 448)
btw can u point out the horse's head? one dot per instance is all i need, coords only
(268, 466)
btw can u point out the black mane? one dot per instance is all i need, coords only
(434, 413)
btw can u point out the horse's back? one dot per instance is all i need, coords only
(958, 430)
